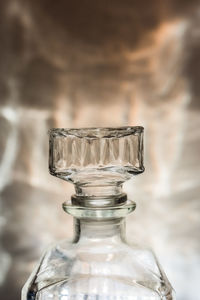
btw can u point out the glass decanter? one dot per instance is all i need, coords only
(99, 264)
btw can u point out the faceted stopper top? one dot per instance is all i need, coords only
(96, 160)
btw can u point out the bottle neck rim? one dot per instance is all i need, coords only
(100, 213)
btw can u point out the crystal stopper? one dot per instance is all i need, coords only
(97, 161)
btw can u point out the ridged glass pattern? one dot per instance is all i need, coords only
(96, 149)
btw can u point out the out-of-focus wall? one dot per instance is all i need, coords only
(100, 63)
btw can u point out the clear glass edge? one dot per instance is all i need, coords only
(124, 130)
(109, 212)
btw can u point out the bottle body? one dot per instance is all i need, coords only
(98, 264)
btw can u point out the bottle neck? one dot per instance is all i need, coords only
(96, 231)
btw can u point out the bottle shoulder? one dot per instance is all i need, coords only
(68, 264)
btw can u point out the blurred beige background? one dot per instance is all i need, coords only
(100, 63)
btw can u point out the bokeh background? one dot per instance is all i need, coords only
(100, 63)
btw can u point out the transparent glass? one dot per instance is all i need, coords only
(99, 263)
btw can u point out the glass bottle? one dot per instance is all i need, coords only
(99, 264)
